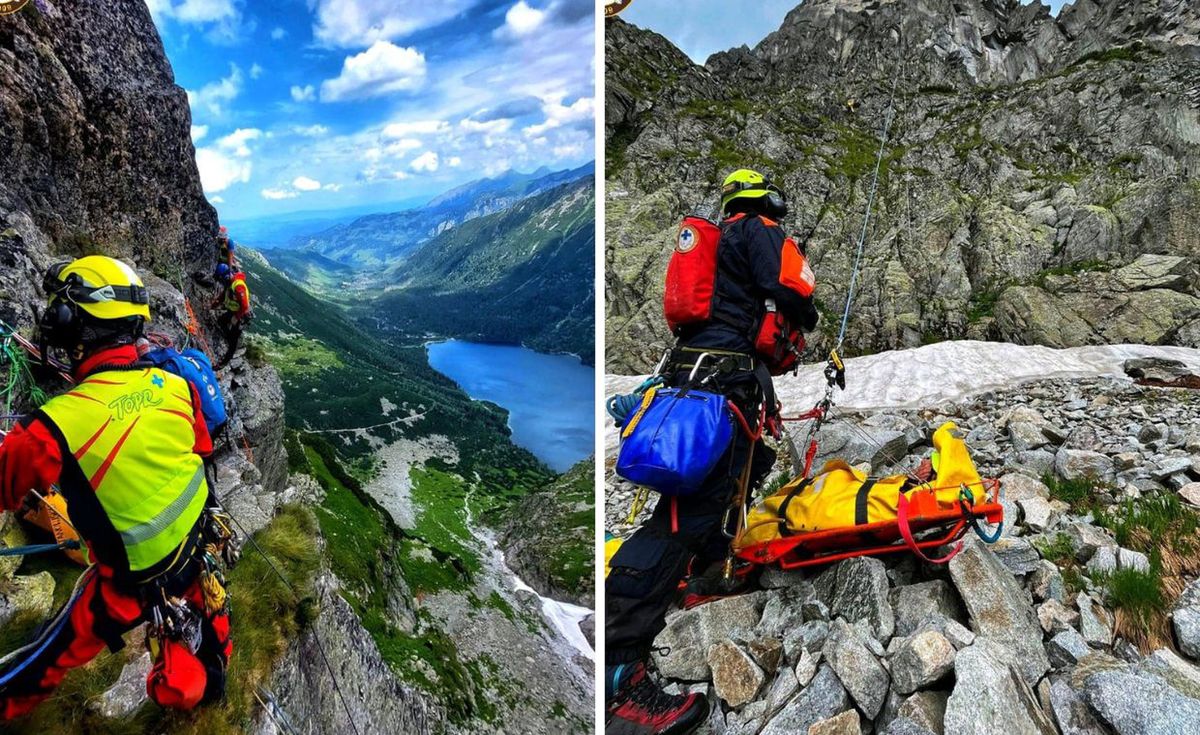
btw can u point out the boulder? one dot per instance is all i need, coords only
(1046, 582)
(767, 653)
(916, 603)
(736, 678)
(1140, 703)
(783, 688)
(847, 723)
(1179, 673)
(1085, 539)
(1095, 623)
(1017, 555)
(857, 589)
(1190, 493)
(906, 726)
(991, 695)
(806, 667)
(823, 698)
(129, 693)
(857, 668)
(1185, 619)
(927, 709)
(1159, 369)
(1067, 648)
(784, 610)
(998, 607)
(1018, 487)
(31, 594)
(1055, 617)
(1155, 271)
(690, 633)
(1070, 712)
(879, 447)
(810, 637)
(1083, 464)
(1038, 514)
(922, 660)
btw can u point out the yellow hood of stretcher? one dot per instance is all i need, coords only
(835, 497)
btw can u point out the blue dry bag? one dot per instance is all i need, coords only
(194, 366)
(673, 442)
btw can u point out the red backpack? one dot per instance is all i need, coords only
(692, 274)
(691, 283)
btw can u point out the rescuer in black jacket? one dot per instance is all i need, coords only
(685, 533)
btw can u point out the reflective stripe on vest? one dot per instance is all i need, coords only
(132, 433)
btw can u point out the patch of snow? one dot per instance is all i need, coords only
(940, 373)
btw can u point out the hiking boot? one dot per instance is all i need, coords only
(641, 707)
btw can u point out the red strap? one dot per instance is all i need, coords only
(737, 414)
(674, 514)
(906, 532)
(809, 456)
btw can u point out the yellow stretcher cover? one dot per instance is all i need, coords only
(840, 496)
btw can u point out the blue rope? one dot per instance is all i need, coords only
(47, 637)
(621, 405)
(39, 548)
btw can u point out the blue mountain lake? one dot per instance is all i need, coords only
(550, 399)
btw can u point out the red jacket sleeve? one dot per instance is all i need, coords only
(30, 459)
(203, 445)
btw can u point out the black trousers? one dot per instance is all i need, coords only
(231, 328)
(648, 567)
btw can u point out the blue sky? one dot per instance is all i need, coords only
(324, 104)
(709, 26)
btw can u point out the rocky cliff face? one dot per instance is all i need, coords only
(96, 157)
(1038, 184)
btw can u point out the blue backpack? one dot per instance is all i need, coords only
(194, 366)
(675, 440)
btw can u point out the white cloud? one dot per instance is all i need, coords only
(303, 183)
(427, 162)
(558, 115)
(415, 127)
(256, 71)
(380, 70)
(520, 20)
(454, 162)
(399, 148)
(214, 95)
(278, 34)
(222, 17)
(236, 142)
(198, 133)
(490, 127)
(217, 200)
(219, 171)
(332, 187)
(276, 194)
(355, 23)
(401, 176)
(307, 93)
(568, 151)
(311, 131)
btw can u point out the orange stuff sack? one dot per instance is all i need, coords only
(49, 515)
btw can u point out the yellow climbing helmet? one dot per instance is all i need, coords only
(747, 184)
(103, 287)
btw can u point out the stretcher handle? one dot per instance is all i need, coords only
(911, 543)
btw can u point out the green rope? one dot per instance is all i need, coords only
(19, 383)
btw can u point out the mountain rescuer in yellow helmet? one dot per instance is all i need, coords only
(126, 448)
(739, 291)
(234, 302)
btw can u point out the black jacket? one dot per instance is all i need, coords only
(749, 262)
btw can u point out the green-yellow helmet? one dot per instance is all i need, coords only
(104, 287)
(747, 184)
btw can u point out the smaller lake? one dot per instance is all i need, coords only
(550, 399)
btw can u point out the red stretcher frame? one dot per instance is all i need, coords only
(875, 539)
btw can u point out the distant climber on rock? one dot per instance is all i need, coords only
(126, 448)
(741, 292)
(234, 300)
(226, 249)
